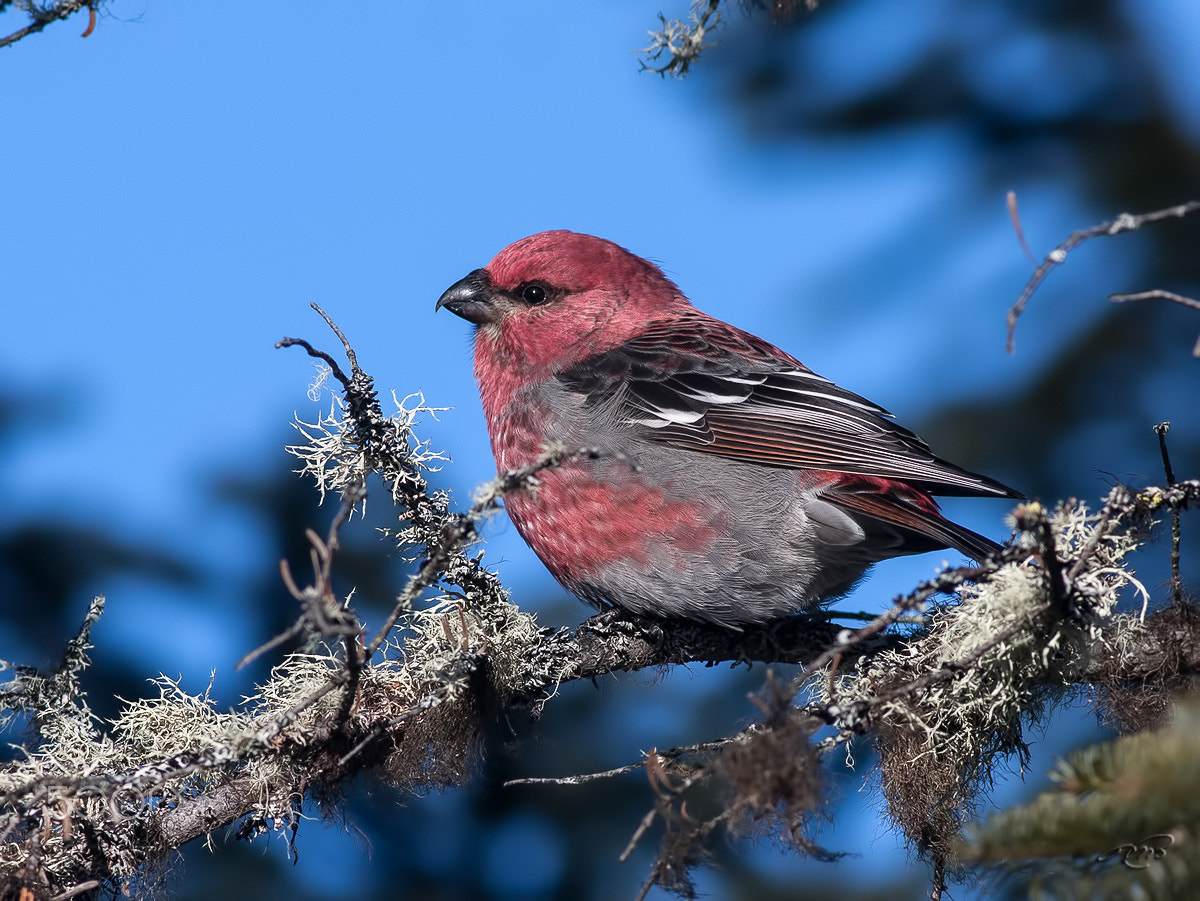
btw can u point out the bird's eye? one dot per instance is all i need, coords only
(534, 294)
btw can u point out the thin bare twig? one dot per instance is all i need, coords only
(350, 355)
(1123, 223)
(1159, 294)
(584, 778)
(91, 25)
(1176, 583)
(320, 611)
(320, 355)
(1015, 216)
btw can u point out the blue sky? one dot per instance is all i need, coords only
(181, 184)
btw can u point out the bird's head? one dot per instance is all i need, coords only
(557, 297)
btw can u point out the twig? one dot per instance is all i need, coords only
(946, 582)
(646, 822)
(1123, 223)
(287, 634)
(319, 354)
(861, 616)
(43, 16)
(682, 42)
(91, 25)
(322, 355)
(350, 354)
(1121, 505)
(584, 778)
(382, 728)
(77, 890)
(955, 668)
(1032, 518)
(938, 886)
(1015, 216)
(1176, 583)
(319, 611)
(1110, 517)
(1159, 294)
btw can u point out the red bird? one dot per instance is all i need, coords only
(732, 484)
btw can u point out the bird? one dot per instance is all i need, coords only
(724, 481)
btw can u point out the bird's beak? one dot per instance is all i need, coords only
(470, 298)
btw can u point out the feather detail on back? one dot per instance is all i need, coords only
(699, 384)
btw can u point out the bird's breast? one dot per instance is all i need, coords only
(588, 513)
(579, 521)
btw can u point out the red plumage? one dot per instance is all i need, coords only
(733, 484)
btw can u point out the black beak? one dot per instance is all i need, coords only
(470, 298)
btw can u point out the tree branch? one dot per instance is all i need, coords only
(42, 16)
(414, 709)
(1124, 223)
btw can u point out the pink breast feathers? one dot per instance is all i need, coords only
(578, 525)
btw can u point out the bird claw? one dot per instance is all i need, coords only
(617, 621)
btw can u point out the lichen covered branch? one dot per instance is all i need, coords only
(100, 804)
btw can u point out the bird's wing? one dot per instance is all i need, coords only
(701, 384)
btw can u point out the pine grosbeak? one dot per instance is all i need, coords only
(732, 484)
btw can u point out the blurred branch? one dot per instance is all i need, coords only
(682, 42)
(1117, 805)
(1158, 294)
(42, 14)
(1126, 222)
